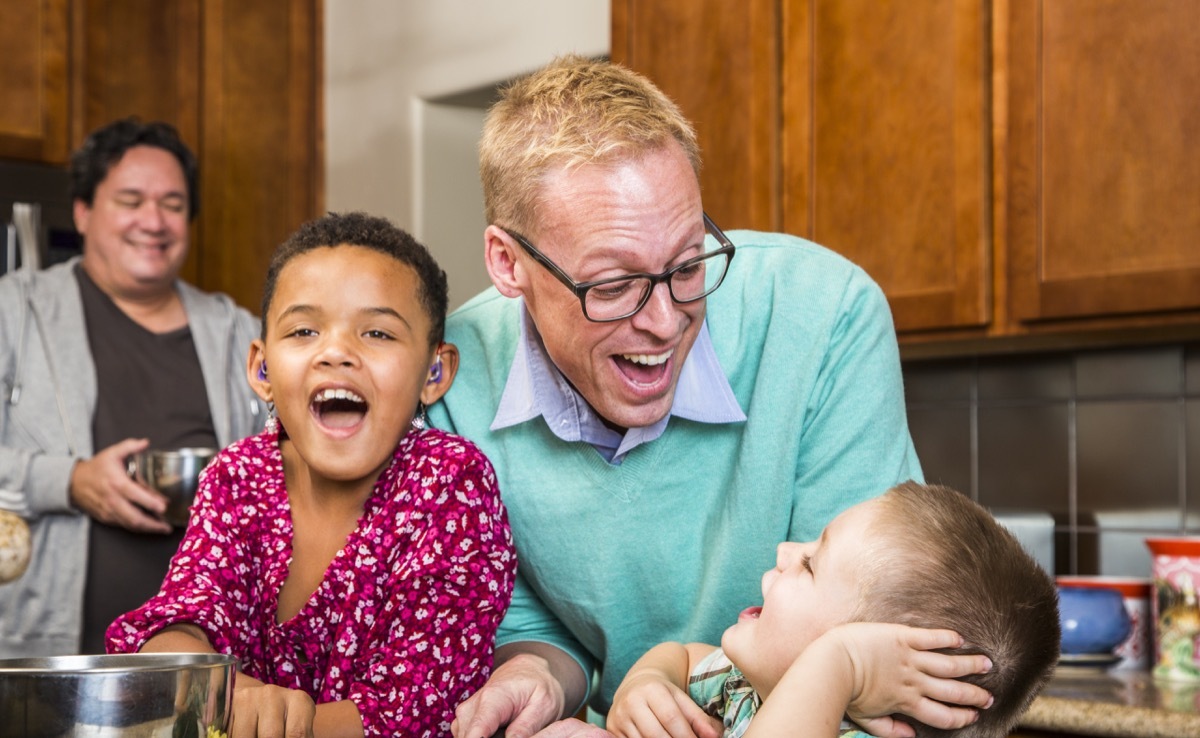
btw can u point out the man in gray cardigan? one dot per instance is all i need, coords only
(102, 357)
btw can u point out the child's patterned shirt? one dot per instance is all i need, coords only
(404, 620)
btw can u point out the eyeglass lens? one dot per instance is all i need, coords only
(687, 282)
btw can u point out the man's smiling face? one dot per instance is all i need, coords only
(136, 229)
(600, 221)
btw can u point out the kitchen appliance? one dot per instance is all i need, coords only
(1034, 529)
(37, 195)
(161, 695)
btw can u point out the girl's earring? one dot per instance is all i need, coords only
(419, 422)
(272, 419)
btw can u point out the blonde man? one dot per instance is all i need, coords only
(654, 436)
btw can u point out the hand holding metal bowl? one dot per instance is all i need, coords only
(174, 474)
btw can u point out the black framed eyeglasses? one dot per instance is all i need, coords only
(617, 298)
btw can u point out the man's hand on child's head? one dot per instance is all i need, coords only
(896, 669)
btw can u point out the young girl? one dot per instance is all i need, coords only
(348, 556)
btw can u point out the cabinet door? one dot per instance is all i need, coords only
(261, 157)
(1103, 129)
(34, 37)
(139, 59)
(886, 143)
(718, 60)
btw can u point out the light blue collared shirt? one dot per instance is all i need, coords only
(536, 387)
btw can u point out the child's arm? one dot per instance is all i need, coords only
(870, 671)
(653, 699)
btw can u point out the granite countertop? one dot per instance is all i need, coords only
(1124, 703)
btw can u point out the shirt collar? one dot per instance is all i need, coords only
(536, 387)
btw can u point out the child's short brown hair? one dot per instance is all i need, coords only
(942, 561)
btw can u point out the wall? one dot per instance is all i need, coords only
(406, 84)
(1107, 441)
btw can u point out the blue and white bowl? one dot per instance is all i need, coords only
(1093, 620)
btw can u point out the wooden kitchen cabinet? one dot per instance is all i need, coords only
(1102, 160)
(1013, 169)
(240, 81)
(33, 80)
(699, 53)
(884, 143)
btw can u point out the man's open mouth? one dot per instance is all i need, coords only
(644, 368)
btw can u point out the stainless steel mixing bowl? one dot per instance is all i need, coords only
(160, 695)
(175, 474)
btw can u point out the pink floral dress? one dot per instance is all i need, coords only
(404, 620)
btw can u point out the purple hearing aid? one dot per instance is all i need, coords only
(435, 372)
(262, 372)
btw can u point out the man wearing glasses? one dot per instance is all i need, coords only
(663, 404)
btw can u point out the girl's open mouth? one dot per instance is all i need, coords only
(338, 408)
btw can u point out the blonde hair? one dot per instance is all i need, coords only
(939, 560)
(574, 111)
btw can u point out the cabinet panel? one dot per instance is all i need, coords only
(261, 157)
(1104, 124)
(718, 61)
(34, 47)
(140, 59)
(885, 148)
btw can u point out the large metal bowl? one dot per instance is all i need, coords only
(159, 695)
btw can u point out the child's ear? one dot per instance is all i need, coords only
(256, 371)
(441, 373)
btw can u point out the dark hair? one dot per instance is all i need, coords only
(370, 232)
(942, 561)
(105, 146)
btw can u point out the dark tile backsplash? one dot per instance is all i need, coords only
(1107, 442)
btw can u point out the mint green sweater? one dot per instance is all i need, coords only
(671, 545)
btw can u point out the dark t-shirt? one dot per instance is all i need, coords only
(148, 385)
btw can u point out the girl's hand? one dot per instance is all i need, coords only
(648, 705)
(896, 670)
(269, 711)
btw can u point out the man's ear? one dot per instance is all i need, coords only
(441, 373)
(256, 371)
(500, 256)
(80, 212)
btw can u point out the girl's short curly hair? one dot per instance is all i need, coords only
(371, 232)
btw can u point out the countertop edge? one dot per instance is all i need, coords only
(1100, 719)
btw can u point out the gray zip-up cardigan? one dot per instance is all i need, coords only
(47, 398)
